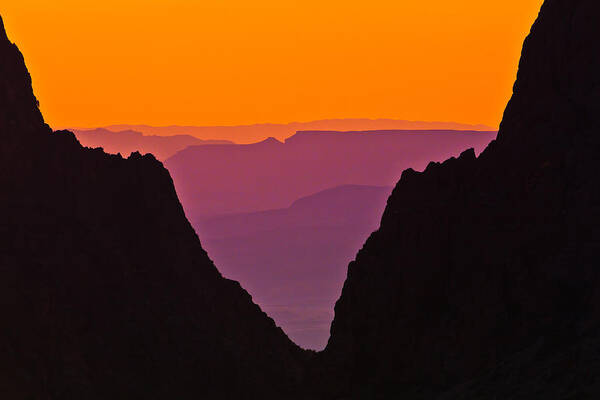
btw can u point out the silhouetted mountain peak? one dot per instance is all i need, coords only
(20, 117)
(3, 36)
(555, 95)
(96, 254)
(270, 141)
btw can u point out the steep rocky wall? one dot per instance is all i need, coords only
(481, 282)
(479, 259)
(105, 290)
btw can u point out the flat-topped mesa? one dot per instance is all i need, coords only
(20, 116)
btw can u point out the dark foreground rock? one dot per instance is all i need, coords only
(481, 283)
(105, 291)
(483, 279)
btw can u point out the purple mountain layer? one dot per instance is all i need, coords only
(257, 132)
(293, 261)
(482, 281)
(223, 179)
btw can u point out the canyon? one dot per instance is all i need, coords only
(481, 281)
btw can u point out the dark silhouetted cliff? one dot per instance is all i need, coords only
(105, 291)
(481, 283)
(485, 272)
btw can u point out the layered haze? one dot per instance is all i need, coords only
(293, 260)
(479, 279)
(126, 142)
(285, 218)
(246, 134)
(271, 174)
(289, 253)
(167, 77)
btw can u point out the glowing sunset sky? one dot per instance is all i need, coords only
(229, 62)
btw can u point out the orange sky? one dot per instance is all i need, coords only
(228, 62)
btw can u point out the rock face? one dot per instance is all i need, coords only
(105, 290)
(486, 270)
(482, 281)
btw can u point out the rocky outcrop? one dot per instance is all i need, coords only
(105, 290)
(483, 278)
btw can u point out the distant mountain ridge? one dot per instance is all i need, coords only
(221, 179)
(128, 141)
(257, 132)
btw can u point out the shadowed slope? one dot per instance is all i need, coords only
(105, 291)
(491, 264)
(482, 281)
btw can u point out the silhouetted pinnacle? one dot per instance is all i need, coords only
(2, 30)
